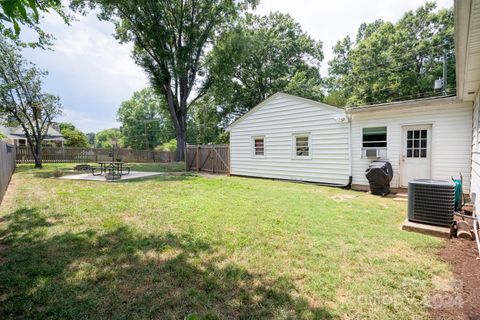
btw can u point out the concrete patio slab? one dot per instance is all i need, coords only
(440, 232)
(130, 176)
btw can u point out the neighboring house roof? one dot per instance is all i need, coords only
(18, 133)
(403, 104)
(467, 48)
(281, 94)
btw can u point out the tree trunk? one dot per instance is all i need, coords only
(181, 145)
(37, 155)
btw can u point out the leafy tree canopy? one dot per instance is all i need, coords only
(22, 98)
(145, 120)
(388, 62)
(14, 13)
(106, 138)
(75, 138)
(261, 56)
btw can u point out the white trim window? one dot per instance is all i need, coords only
(374, 142)
(302, 148)
(258, 147)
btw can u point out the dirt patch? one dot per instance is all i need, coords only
(463, 305)
(343, 197)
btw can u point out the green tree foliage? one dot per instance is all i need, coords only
(261, 56)
(205, 122)
(75, 138)
(91, 139)
(22, 98)
(170, 39)
(106, 138)
(390, 62)
(168, 146)
(14, 13)
(145, 120)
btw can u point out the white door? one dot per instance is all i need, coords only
(416, 153)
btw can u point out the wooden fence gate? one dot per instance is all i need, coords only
(208, 158)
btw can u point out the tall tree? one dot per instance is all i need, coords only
(91, 139)
(390, 62)
(108, 138)
(22, 98)
(261, 56)
(75, 138)
(145, 121)
(170, 39)
(205, 120)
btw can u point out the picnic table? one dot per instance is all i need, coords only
(114, 167)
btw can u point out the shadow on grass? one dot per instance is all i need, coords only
(124, 274)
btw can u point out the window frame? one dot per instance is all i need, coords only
(373, 127)
(383, 151)
(294, 145)
(253, 148)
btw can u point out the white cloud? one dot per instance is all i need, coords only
(89, 70)
(85, 122)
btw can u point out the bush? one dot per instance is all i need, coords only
(168, 146)
(57, 173)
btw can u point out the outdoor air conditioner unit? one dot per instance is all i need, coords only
(431, 202)
(372, 153)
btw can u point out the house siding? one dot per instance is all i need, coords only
(277, 121)
(450, 144)
(475, 181)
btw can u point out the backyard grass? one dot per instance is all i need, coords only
(223, 247)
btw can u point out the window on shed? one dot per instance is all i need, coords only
(259, 146)
(374, 137)
(302, 145)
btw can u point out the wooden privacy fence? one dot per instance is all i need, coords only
(85, 155)
(7, 166)
(208, 158)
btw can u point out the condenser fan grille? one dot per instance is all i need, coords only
(431, 202)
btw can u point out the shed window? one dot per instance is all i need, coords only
(302, 145)
(375, 137)
(259, 146)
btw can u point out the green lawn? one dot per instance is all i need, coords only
(223, 247)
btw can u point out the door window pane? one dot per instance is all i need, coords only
(417, 143)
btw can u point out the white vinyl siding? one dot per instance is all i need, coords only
(475, 183)
(450, 144)
(279, 120)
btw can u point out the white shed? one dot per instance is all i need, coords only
(291, 138)
(427, 138)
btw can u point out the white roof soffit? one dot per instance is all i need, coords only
(467, 47)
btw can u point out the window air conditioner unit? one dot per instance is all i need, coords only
(372, 153)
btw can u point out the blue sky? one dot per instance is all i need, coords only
(93, 74)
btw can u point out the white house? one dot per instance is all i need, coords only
(288, 137)
(428, 138)
(16, 136)
(467, 47)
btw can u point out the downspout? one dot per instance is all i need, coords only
(349, 120)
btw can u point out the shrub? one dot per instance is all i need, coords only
(57, 173)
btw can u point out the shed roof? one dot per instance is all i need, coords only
(403, 104)
(286, 95)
